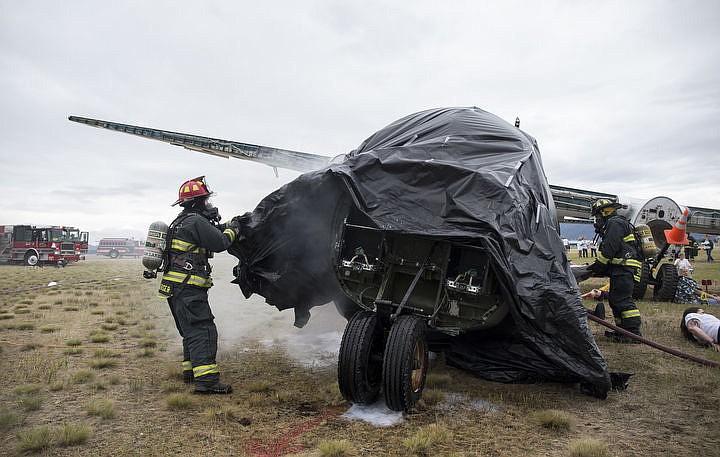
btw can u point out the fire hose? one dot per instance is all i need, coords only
(669, 350)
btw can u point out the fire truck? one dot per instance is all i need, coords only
(33, 245)
(119, 247)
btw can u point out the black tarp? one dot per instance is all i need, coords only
(452, 173)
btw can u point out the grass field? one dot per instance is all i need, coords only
(90, 367)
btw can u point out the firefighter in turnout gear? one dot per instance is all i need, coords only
(191, 239)
(617, 259)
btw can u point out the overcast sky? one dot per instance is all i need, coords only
(622, 97)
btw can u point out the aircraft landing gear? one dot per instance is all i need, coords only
(366, 363)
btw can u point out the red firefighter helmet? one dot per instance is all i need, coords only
(192, 189)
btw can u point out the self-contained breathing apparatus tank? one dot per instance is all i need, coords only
(154, 248)
(649, 249)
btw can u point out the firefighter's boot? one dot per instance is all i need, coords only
(598, 312)
(216, 388)
(618, 337)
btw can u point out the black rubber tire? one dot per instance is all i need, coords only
(31, 258)
(114, 254)
(640, 288)
(666, 283)
(405, 363)
(360, 359)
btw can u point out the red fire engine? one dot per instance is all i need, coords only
(33, 245)
(119, 247)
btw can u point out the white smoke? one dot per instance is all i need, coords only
(241, 321)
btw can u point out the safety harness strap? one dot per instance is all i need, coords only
(186, 278)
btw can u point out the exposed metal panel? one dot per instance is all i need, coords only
(704, 220)
(575, 203)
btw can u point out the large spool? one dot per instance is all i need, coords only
(155, 245)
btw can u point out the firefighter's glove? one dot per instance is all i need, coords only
(581, 272)
(234, 225)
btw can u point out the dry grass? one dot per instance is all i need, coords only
(101, 363)
(34, 439)
(426, 440)
(222, 413)
(81, 377)
(558, 421)
(588, 448)
(102, 407)
(180, 401)
(280, 407)
(72, 434)
(336, 448)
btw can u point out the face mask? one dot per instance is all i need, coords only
(599, 224)
(212, 213)
(207, 209)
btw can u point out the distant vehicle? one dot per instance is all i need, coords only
(33, 245)
(120, 247)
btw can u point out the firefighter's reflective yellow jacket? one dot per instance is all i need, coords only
(192, 239)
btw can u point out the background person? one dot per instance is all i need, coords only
(701, 328)
(708, 245)
(691, 249)
(682, 262)
(582, 247)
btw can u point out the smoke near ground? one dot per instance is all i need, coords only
(242, 321)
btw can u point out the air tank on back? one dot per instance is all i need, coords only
(647, 242)
(154, 248)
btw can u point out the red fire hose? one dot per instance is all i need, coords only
(669, 350)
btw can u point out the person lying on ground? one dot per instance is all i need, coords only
(688, 291)
(701, 328)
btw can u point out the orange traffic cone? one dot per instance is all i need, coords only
(678, 234)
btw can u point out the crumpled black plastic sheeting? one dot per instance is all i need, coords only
(451, 173)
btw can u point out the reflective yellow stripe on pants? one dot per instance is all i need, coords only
(630, 313)
(203, 370)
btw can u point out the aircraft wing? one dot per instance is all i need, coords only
(274, 157)
(573, 205)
